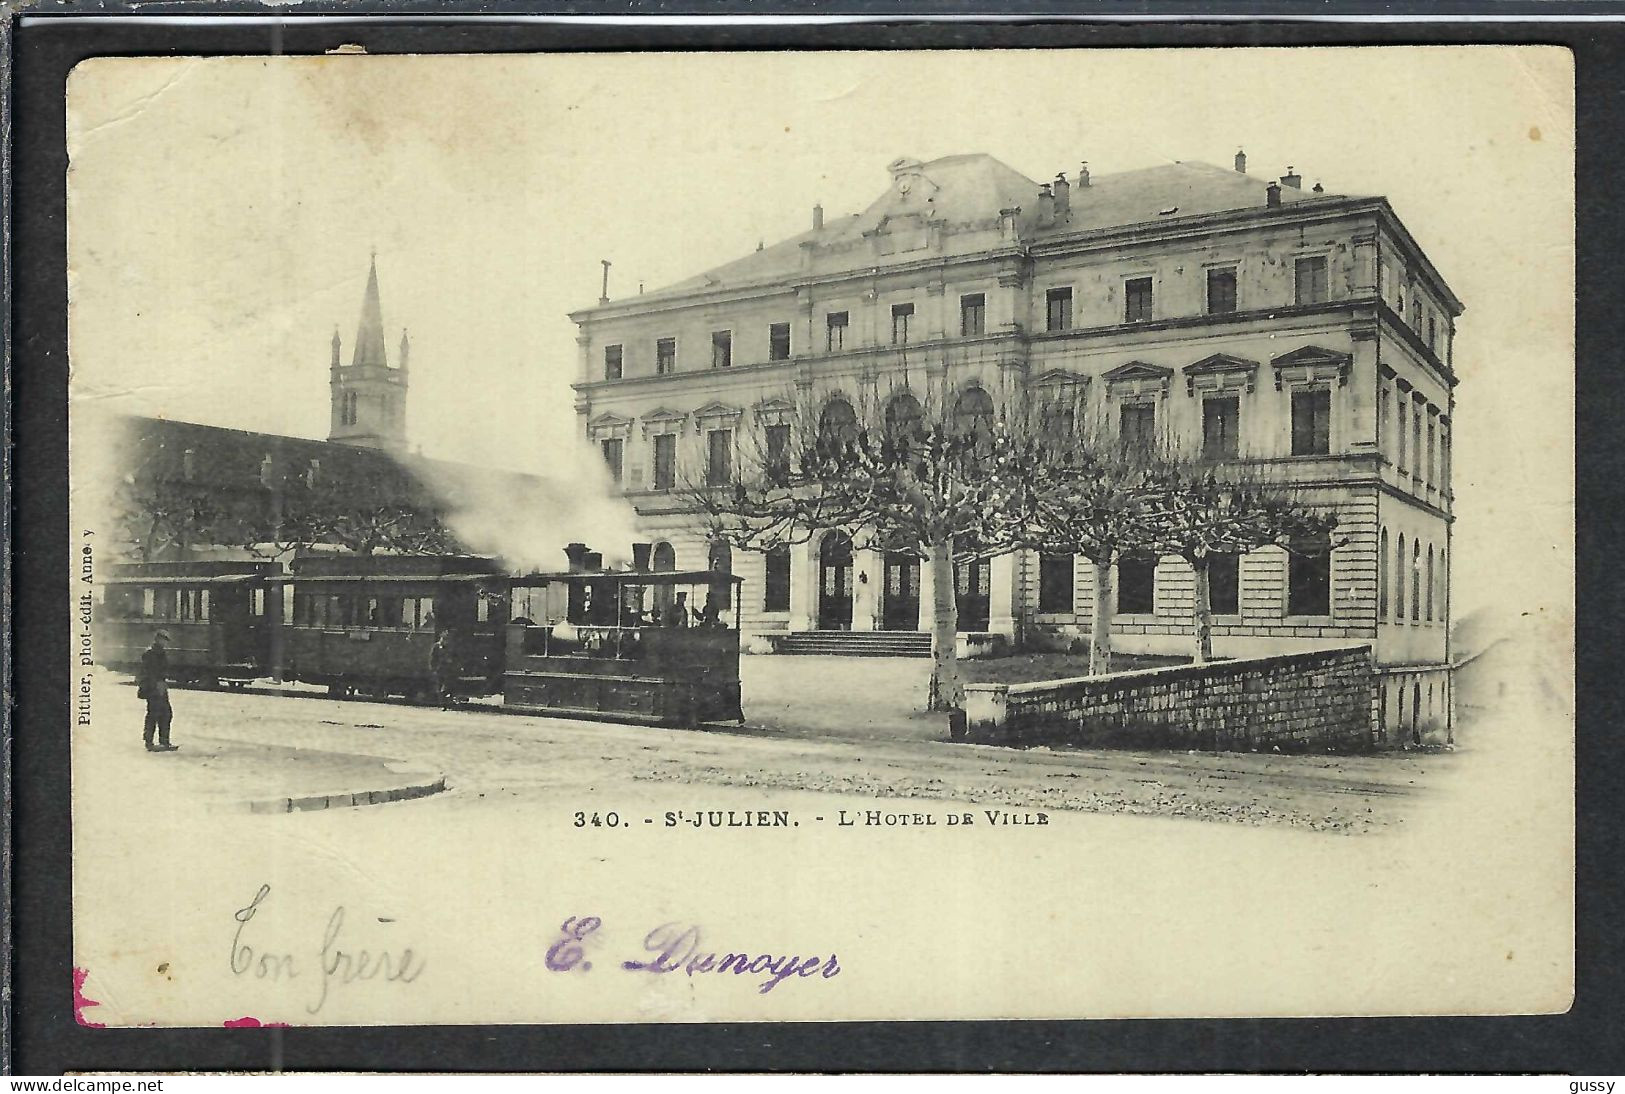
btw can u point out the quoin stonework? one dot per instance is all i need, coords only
(1205, 308)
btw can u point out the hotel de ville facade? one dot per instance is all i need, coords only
(1212, 310)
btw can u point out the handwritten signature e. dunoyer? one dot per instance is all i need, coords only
(676, 948)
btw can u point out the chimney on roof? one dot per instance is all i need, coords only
(1063, 196)
(1083, 173)
(1241, 162)
(818, 217)
(1046, 206)
(1272, 195)
(1292, 179)
(1319, 189)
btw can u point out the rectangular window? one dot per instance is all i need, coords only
(665, 461)
(777, 584)
(972, 314)
(901, 316)
(1058, 309)
(1224, 584)
(1055, 583)
(612, 362)
(778, 447)
(835, 331)
(778, 342)
(1136, 585)
(1221, 291)
(1309, 577)
(1221, 422)
(665, 356)
(1382, 408)
(1428, 464)
(1311, 422)
(1403, 427)
(722, 348)
(613, 450)
(1433, 334)
(1139, 427)
(1309, 276)
(1137, 300)
(1416, 440)
(719, 446)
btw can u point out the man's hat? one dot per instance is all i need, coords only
(163, 635)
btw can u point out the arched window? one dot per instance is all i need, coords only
(1416, 581)
(1382, 577)
(1399, 580)
(1430, 583)
(1444, 587)
(838, 423)
(903, 416)
(973, 412)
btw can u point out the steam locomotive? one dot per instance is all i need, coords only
(629, 644)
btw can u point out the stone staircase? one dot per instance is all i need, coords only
(856, 643)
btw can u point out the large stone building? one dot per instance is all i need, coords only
(1201, 306)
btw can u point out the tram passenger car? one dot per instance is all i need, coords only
(366, 625)
(629, 645)
(223, 619)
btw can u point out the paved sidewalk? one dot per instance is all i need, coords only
(239, 775)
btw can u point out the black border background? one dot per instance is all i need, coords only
(45, 1039)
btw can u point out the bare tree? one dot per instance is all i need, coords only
(944, 484)
(1200, 511)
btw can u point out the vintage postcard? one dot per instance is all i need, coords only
(800, 536)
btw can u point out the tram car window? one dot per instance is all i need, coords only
(214, 612)
(369, 624)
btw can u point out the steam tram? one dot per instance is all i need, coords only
(628, 645)
(223, 619)
(366, 625)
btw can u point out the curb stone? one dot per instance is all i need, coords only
(341, 799)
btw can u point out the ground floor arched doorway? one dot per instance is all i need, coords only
(900, 606)
(835, 582)
(972, 594)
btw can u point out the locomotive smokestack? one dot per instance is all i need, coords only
(577, 554)
(640, 556)
(592, 560)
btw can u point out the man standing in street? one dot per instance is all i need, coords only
(443, 664)
(153, 686)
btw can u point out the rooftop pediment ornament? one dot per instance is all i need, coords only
(1220, 371)
(1058, 377)
(1311, 363)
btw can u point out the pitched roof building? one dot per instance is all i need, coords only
(1212, 309)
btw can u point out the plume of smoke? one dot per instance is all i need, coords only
(525, 520)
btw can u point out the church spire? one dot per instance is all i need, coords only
(406, 346)
(369, 335)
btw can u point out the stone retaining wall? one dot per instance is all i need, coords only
(1302, 702)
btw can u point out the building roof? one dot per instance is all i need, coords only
(973, 189)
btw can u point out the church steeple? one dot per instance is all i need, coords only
(369, 335)
(369, 397)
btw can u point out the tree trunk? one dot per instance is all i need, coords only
(1204, 612)
(1100, 638)
(947, 689)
